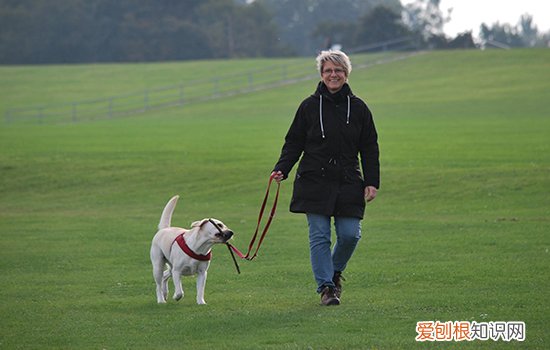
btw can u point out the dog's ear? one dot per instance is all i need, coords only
(199, 223)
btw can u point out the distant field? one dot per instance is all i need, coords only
(459, 231)
(77, 93)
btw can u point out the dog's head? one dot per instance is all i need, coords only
(216, 230)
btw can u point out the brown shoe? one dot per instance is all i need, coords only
(328, 297)
(337, 279)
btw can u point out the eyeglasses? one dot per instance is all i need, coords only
(335, 71)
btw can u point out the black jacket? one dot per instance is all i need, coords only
(331, 130)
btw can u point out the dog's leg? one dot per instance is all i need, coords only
(178, 292)
(158, 265)
(201, 284)
(165, 277)
(157, 274)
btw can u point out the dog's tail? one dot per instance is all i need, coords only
(166, 217)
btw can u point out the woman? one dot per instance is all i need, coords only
(330, 130)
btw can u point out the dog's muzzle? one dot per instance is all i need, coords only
(225, 235)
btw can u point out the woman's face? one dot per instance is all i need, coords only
(333, 76)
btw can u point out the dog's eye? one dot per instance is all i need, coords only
(220, 225)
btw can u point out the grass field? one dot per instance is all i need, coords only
(460, 230)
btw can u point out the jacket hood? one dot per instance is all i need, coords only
(342, 95)
(337, 97)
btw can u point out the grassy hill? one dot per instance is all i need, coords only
(459, 231)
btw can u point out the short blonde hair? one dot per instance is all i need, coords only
(337, 57)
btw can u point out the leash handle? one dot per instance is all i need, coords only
(260, 215)
(247, 256)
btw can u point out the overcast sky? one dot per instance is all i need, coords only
(469, 14)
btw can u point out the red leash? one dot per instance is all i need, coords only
(247, 256)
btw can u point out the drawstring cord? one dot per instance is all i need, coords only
(347, 119)
(321, 114)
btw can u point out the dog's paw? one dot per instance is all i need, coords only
(177, 296)
(201, 302)
(161, 301)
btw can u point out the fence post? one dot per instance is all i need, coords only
(110, 107)
(250, 80)
(216, 87)
(74, 111)
(146, 99)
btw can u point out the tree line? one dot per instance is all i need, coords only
(83, 31)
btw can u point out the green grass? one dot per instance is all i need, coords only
(459, 231)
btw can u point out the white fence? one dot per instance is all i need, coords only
(179, 94)
(161, 97)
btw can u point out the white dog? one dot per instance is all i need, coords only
(186, 252)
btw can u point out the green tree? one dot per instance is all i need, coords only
(425, 18)
(59, 31)
(380, 25)
(234, 30)
(524, 34)
(309, 25)
(528, 30)
(462, 41)
(44, 32)
(499, 34)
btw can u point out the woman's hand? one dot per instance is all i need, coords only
(370, 193)
(278, 176)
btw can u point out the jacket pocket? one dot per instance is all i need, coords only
(309, 185)
(352, 194)
(352, 175)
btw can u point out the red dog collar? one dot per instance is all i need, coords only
(181, 242)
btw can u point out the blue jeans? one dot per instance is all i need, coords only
(324, 262)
